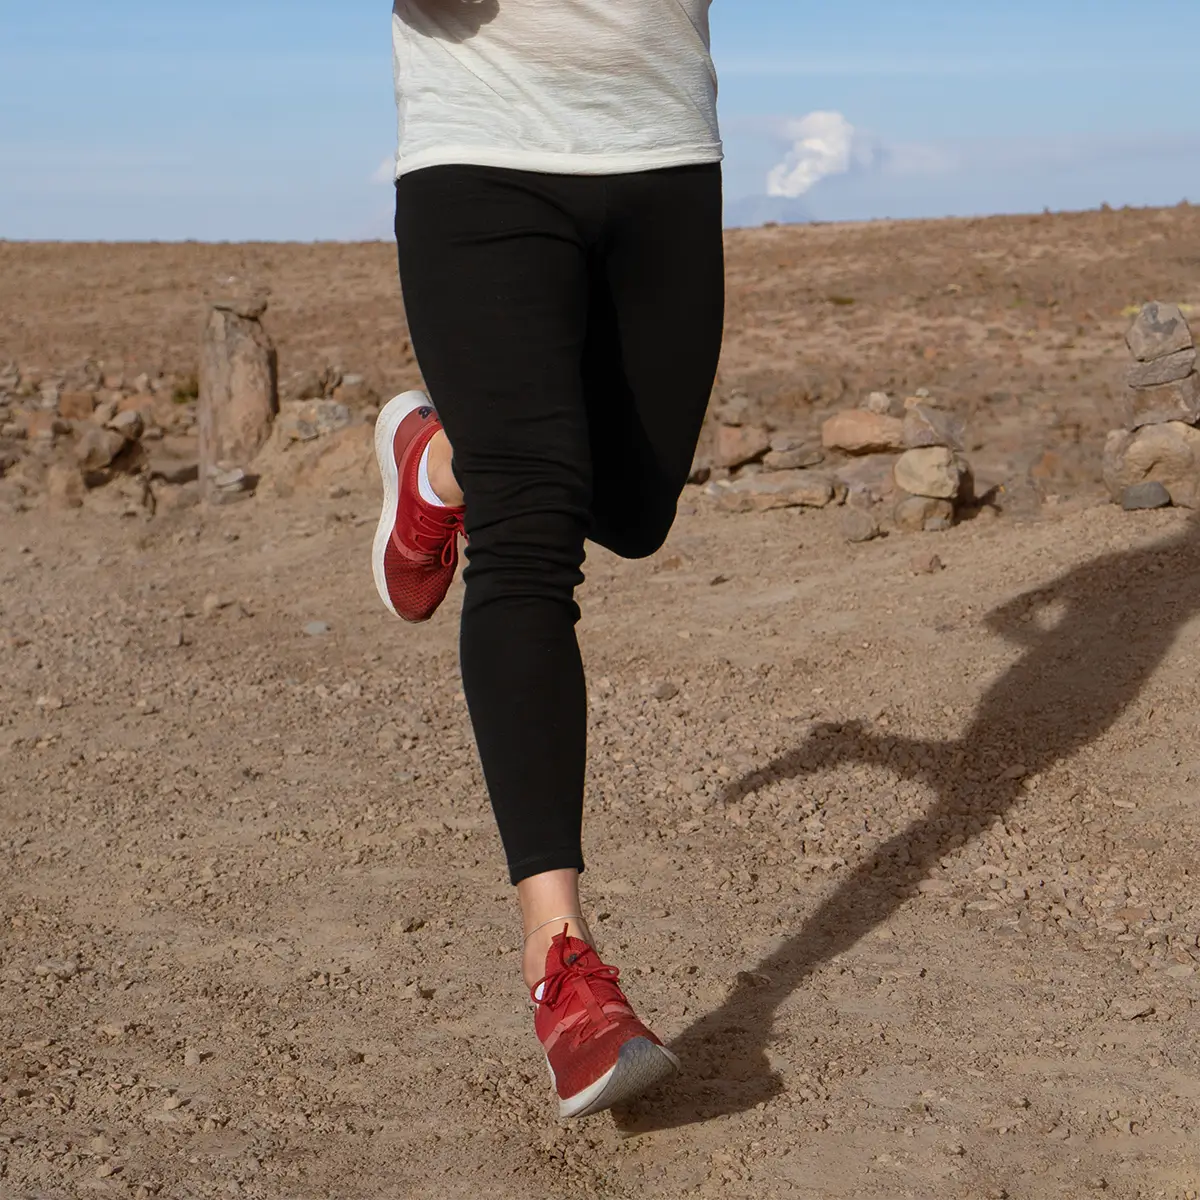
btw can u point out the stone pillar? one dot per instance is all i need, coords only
(238, 395)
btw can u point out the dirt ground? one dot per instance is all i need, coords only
(903, 865)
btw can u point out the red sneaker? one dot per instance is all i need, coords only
(416, 543)
(598, 1052)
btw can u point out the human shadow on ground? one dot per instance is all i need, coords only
(1092, 640)
(447, 20)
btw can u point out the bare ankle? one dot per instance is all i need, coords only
(538, 944)
(441, 471)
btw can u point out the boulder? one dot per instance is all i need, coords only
(1158, 330)
(935, 471)
(238, 394)
(1178, 401)
(1168, 454)
(859, 431)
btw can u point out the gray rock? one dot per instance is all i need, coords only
(316, 628)
(868, 480)
(777, 489)
(793, 460)
(858, 525)
(1178, 401)
(925, 426)
(1162, 370)
(1159, 330)
(1150, 494)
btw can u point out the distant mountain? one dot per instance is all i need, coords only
(758, 210)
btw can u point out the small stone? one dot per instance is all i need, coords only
(934, 471)
(1133, 1010)
(777, 489)
(1150, 494)
(48, 703)
(211, 605)
(232, 479)
(935, 887)
(1179, 971)
(1141, 375)
(666, 691)
(64, 486)
(128, 424)
(316, 628)
(858, 431)
(922, 514)
(101, 1146)
(858, 525)
(1178, 401)
(925, 426)
(795, 459)
(926, 564)
(880, 403)
(106, 1170)
(1159, 330)
(76, 406)
(97, 448)
(737, 445)
(44, 426)
(173, 1103)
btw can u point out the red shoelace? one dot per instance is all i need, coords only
(573, 979)
(431, 534)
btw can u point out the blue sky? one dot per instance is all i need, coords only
(258, 119)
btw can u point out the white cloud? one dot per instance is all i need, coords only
(822, 145)
(385, 172)
(826, 144)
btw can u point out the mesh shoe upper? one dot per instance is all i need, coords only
(422, 553)
(583, 1018)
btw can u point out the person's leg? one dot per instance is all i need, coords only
(494, 272)
(658, 306)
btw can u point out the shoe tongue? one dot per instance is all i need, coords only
(574, 952)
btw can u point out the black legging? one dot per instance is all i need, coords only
(568, 329)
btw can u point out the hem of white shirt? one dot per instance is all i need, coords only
(554, 163)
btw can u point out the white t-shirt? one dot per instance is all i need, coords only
(571, 87)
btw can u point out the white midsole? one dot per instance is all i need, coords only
(386, 424)
(583, 1100)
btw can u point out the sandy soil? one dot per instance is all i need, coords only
(905, 869)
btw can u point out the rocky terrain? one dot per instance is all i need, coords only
(894, 836)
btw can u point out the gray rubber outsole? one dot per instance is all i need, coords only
(641, 1064)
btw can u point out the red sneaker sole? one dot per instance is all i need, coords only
(641, 1064)
(386, 424)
